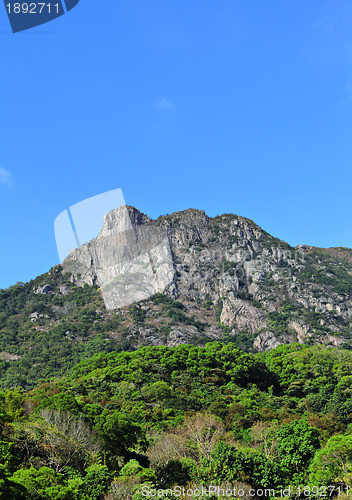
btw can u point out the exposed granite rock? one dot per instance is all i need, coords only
(130, 259)
(9, 357)
(333, 340)
(241, 315)
(35, 316)
(301, 329)
(181, 335)
(230, 259)
(265, 341)
(46, 289)
(64, 289)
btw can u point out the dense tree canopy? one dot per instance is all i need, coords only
(161, 418)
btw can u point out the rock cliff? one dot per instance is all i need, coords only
(256, 286)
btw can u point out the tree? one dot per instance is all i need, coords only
(14, 400)
(225, 463)
(205, 431)
(43, 484)
(158, 391)
(297, 444)
(8, 460)
(168, 446)
(333, 463)
(95, 483)
(119, 432)
(57, 439)
(264, 435)
(131, 478)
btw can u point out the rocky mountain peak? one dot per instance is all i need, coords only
(256, 284)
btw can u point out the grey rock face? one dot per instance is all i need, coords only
(9, 357)
(254, 282)
(302, 330)
(180, 335)
(130, 259)
(241, 315)
(46, 289)
(266, 341)
(35, 316)
(64, 289)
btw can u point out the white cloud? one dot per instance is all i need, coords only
(5, 177)
(162, 102)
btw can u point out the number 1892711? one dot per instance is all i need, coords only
(32, 8)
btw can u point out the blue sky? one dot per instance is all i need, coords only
(227, 106)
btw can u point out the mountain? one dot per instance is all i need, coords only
(254, 283)
(85, 414)
(183, 278)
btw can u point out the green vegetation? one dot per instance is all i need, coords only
(158, 417)
(331, 274)
(85, 415)
(50, 333)
(45, 335)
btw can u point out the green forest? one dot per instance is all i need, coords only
(159, 422)
(90, 410)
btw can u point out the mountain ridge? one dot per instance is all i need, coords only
(250, 257)
(231, 282)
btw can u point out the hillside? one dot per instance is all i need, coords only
(122, 426)
(233, 370)
(231, 281)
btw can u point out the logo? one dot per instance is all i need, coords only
(128, 258)
(26, 15)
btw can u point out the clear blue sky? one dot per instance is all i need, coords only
(228, 106)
